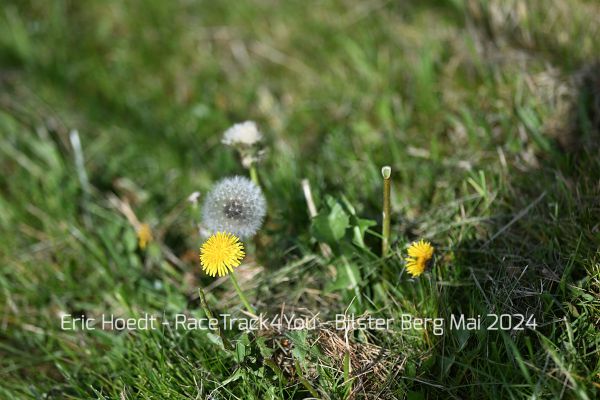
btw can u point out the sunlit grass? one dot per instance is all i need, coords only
(475, 105)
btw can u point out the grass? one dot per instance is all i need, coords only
(486, 110)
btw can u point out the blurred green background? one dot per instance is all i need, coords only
(488, 112)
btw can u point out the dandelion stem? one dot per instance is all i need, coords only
(209, 314)
(386, 172)
(241, 294)
(254, 174)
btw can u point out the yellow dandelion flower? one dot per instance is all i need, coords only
(144, 234)
(221, 253)
(419, 253)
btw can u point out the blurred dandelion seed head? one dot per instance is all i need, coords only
(245, 133)
(221, 253)
(193, 198)
(419, 254)
(234, 205)
(247, 140)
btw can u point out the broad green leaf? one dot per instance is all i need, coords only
(360, 227)
(331, 227)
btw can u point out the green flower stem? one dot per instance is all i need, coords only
(241, 294)
(386, 172)
(226, 343)
(254, 175)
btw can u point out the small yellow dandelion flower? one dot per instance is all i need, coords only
(221, 253)
(419, 253)
(144, 234)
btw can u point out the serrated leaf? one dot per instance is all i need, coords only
(300, 349)
(265, 351)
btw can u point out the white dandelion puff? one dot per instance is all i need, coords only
(245, 134)
(193, 198)
(235, 205)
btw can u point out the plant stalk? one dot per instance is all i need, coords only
(254, 174)
(386, 172)
(209, 314)
(241, 294)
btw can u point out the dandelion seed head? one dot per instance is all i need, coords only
(234, 205)
(245, 133)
